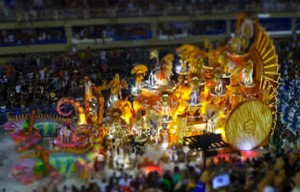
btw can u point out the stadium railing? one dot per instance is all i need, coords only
(44, 109)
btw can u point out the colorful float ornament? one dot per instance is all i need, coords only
(153, 101)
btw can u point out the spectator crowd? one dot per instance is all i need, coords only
(289, 90)
(32, 36)
(266, 171)
(41, 80)
(37, 9)
(114, 32)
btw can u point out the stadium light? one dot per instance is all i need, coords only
(263, 15)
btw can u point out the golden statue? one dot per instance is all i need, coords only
(154, 55)
(140, 71)
(223, 61)
(236, 45)
(194, 86)
(191, 59)
(115, 90)
(210, 125)
(168, 60)
(184, 66)
(207, 45)
(165, 105)
(139, 124)
(127, 111)
(97, 90)
(219, 88)
(248, 74)
(166, 67)
(93, 110)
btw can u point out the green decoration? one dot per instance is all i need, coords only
(39, 168)
(26, 126)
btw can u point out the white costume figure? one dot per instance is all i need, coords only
(87, 86)
(184, 66)
(165, 104)
(151, 79)
(231, 66)
(93, 106)
(65, 134)
(115, 159)
(195, 88)
(139, 125)
(108, 156)
(61, 133)
(112, 99)
(210, 125)
(194, 97)
(127, 162)
(219, 89)
(248, 74)
(115, 90)
(139, 130)
(120, 158)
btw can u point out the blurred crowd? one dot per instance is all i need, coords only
(37, 8)
(289, 90)
(106, 34)
(192, 28)
(144, 31)
(103, 34)
(266, 171)
(32, 36)
(41, 80)
(114, 32)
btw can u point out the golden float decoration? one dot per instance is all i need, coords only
(230, 90)
(248, 125)
(251, 122)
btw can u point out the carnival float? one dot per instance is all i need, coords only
(229, 90)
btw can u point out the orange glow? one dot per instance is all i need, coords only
(81, 119)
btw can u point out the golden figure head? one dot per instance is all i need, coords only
(180, 79)
(165, 98)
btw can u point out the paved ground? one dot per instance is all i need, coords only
(8, 155)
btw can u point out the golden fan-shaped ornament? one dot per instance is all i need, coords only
(263, 53)
(248, 125)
